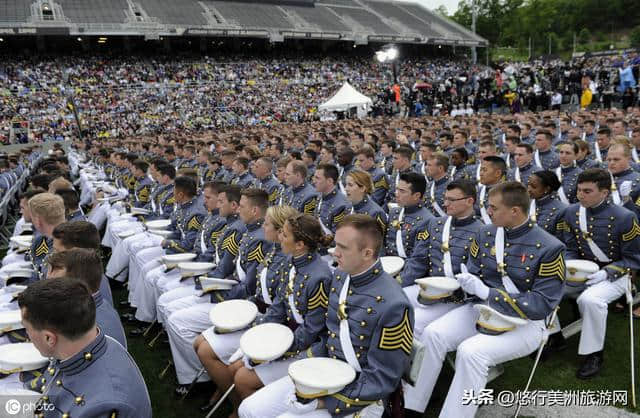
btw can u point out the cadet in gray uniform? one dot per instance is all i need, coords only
(91, 374)
(263, 171)
(626, 188)
(366, 161)
(544, 155)
(410, 218)
(302, 307)
(529, 286)
(85, 265)
(437, 168)
(242, 176)
(379, 320)
(401, 165)
(546, 209)
(439, 252)
(333, 205)
(609, 235)
(568, 172)
(524, 165)
(300, 195)
(142, 186)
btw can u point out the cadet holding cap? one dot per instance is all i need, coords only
(91, 374)
(303, 305)
(517, 269)
(369, 326)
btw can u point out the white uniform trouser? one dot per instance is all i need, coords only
(151, 259)
(155, 283)
(271, 402)
(425, 314)
(12, 257)
(593, 304)
(176, 299)
(224, 345)
(476, 352)
(120, 254)
(182, 328)
(118, 226)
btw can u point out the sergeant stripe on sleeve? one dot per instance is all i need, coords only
(474, 248)
(319, 299)
(633, 232)
(398, 336)
(310, 207)
(553, 268)
(256, 254)
(231, 244)
(194, 223)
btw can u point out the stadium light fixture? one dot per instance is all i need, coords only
(388, 53)
(1, 39)
(79, 39)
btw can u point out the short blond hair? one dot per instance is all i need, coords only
(49, 207)
(280, 214)
(59, 183)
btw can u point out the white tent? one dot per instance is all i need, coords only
(346, 98)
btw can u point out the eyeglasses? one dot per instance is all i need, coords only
(449, 199)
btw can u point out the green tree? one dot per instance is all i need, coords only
(442, 10)
(584, 36)
(634, 37)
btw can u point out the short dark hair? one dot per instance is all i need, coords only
(525, 146)
(514, 194)
(80, 234)
(416, 181)
(141, 165)
(80, 263)
(30, 192)
(463, 153)
(244, 162)
(497, 162)
(257, 197)
(232, 192)
(70, 198)
(41, 180)
(187, 185)
(329, 171)
(215, 186)
(64, 306)
(404, 150)
(468, 188)
(166, 169)
(366, 225)
(600, 177)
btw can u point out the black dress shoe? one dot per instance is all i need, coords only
(124, 303)
(555, 344)
(591, 366)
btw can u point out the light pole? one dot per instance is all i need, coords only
(389, 54)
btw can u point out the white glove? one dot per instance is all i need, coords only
(625, 189)
(597, 277)
(299, 408)
(472, 285)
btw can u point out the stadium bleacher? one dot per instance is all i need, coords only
(357, 20)
(94, 11)
(14, 10)
(175, 13)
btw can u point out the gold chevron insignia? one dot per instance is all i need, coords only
(382, 223)
(171, 201)
(398, 336)
(474, 248)
(423, 236)
(638, 201)
(553, 268)
(338, 218)
(633, 232)
(43, 248)
(382, 183)
(274, 195)
(194, 223)
(310, 206)
(215, 235)
(231, 244)
(319, 299)
(256, 254)
(563, 226)
(143, 196)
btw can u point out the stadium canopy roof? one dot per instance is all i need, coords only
(360, 21)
